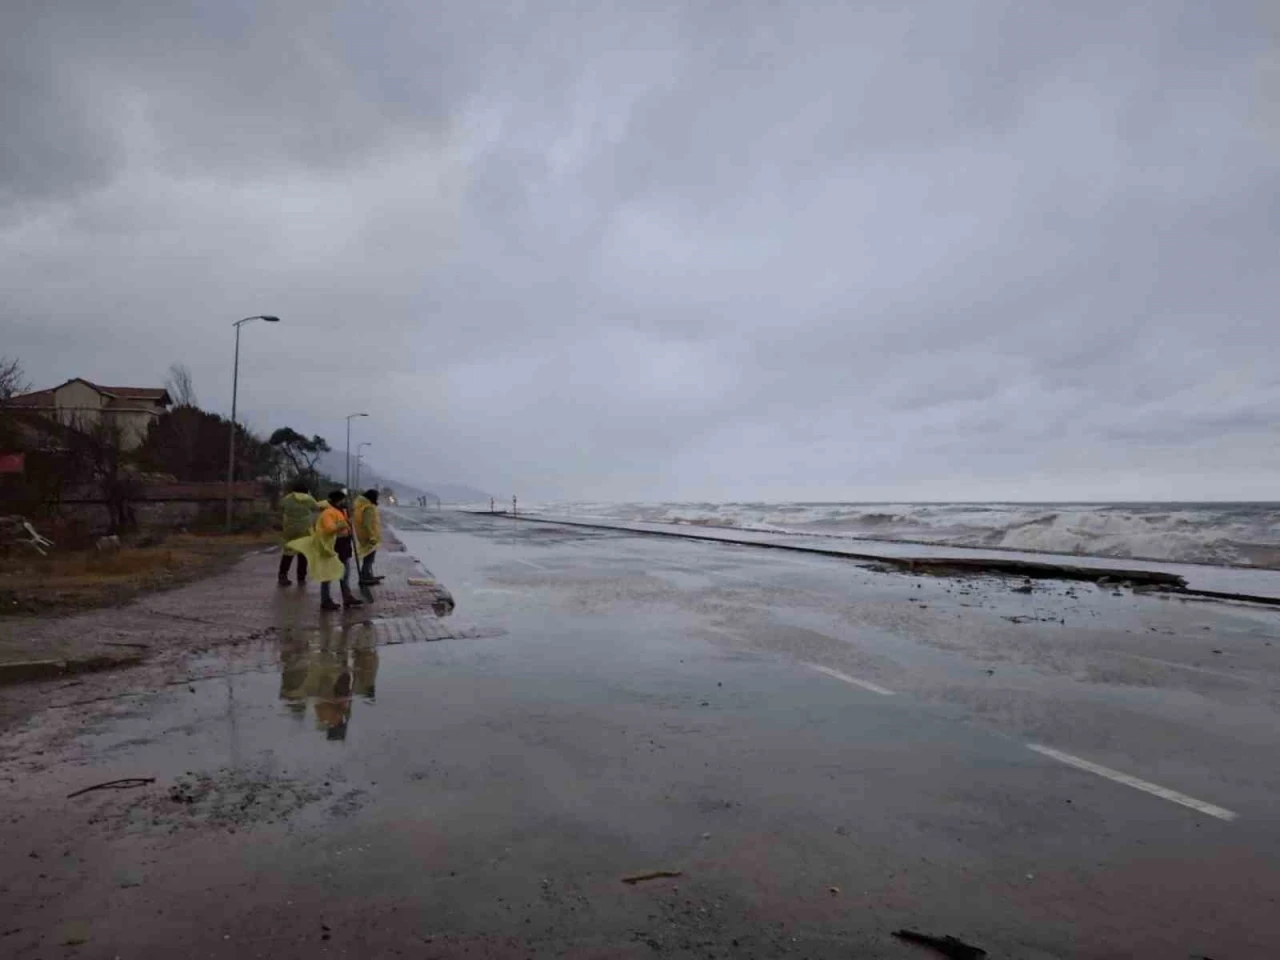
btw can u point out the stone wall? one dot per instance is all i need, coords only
(170, 506)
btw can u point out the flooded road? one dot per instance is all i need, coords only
(824, 754)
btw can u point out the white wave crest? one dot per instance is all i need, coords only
(1245, 534)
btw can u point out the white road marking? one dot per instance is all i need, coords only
(1187, 666)
(530, 563)
(864, 684)
(1154, 789)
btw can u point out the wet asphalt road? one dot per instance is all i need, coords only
(825, 752)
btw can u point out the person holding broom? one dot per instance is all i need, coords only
(328, 552)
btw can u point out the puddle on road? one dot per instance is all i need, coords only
(276, 732)
(325, 678)
(308, 726)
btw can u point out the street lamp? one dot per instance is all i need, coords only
(359, 458)
(235, 384)
(348, 447)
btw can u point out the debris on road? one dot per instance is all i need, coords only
(651, 875)
(124, 783)
(951, 947)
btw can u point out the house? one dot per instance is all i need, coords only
(82, 405)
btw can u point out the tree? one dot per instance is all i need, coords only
(185, 428)
(48, 465)
(12, 379)
(299, 452)
(180, 386)
(12, 383)
(96, 453)
(191, 444)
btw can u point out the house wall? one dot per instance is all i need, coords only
(77, 402)
(134, 425)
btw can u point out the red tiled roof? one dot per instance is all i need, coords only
(44, 398)
(135, 393)
(38, 398)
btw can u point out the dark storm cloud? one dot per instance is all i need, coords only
(652, 250)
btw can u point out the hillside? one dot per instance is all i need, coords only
(334, 464)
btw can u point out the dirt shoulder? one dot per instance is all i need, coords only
(74, 581)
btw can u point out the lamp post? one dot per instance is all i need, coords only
(235, 385)
(350, 416)
(359, 458)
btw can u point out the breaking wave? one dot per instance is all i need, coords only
(1233, 534)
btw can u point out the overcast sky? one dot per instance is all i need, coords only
(671, 249)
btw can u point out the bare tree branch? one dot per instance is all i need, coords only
(97, 446)
(12, 379)
(180, 386)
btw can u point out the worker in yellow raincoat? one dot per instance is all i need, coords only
(297, 508)
(328, 550)
(368, 535)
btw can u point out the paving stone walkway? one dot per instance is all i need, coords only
(242, 604)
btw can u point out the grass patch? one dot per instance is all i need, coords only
(66, 581)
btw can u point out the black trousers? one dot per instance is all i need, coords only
(286, 560)
(326, 595)
(366, 565)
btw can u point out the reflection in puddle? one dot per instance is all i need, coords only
(325, 667)
(327, 670)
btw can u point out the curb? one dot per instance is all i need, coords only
(26, 671)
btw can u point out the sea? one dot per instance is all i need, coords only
(1221, 534)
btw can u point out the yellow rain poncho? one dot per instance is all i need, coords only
(368, 526)
(296, 510)
(320, 546)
